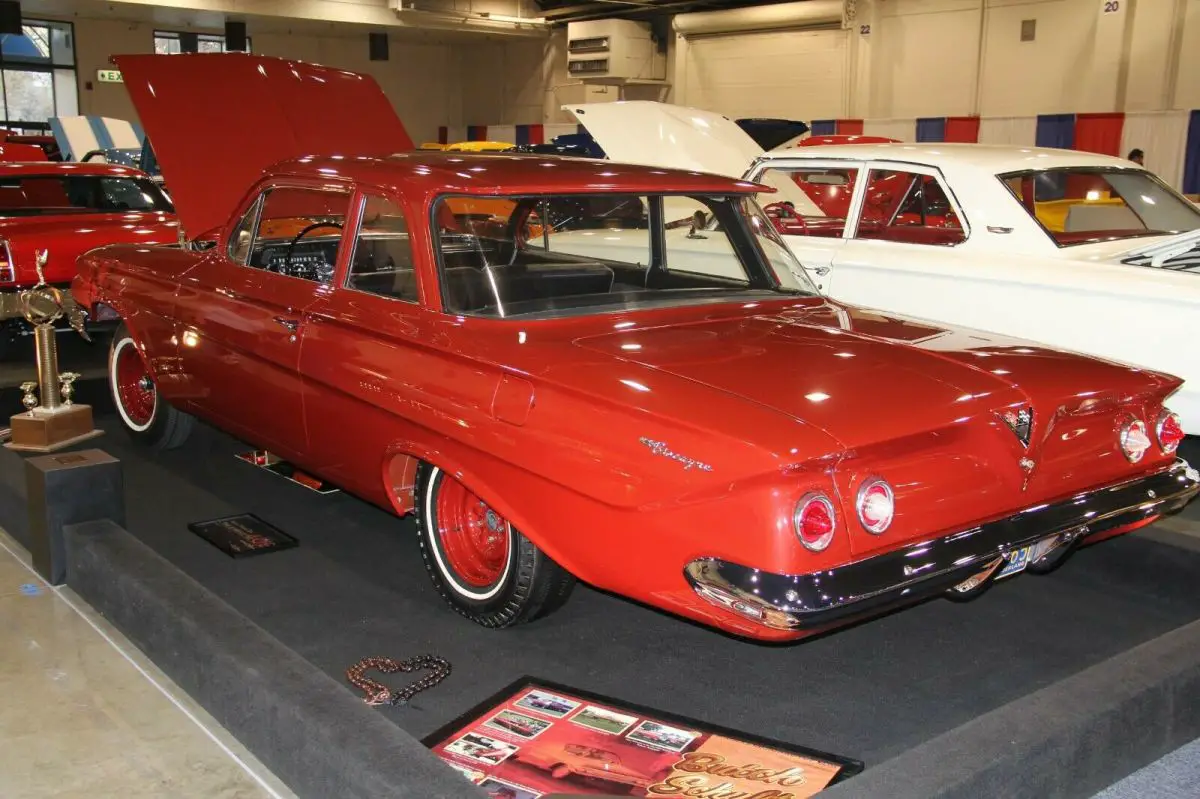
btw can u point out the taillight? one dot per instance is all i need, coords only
(8, 274)
(815, 521)
(1134, 440)
(876, 505)
(1169, 431)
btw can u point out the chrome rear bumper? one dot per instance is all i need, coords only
(873, 585)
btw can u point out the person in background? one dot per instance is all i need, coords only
(1137, 157)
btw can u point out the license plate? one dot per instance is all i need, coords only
(1018, 559)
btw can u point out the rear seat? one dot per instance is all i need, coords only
(469, 289)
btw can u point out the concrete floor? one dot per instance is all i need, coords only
(84, 714)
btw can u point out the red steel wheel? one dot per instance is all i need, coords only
(133, 388)
(474, 538)
(478, 561)
(149, 418)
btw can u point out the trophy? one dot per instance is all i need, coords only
(52, 420)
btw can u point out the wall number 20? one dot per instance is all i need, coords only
(1112, 6)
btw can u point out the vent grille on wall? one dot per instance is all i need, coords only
(591, 66)
(1028, 30)
(592, 45)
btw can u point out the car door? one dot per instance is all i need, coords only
(906, 247)
(367, 355)
(812, 202)
(242, 312)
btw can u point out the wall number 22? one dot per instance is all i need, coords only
(1112, 6)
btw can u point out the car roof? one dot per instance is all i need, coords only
(69, 168)
(432, 173)
(994, 158)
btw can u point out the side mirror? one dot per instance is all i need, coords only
(699, 222)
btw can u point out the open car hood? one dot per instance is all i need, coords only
(218, 120)
(77, 136)
(669, 136)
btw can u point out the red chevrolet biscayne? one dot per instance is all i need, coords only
(580, 387)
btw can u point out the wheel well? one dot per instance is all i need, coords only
(401, 465)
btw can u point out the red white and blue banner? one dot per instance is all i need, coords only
(1169, 139)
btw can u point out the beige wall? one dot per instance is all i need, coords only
(935, 57)
(921, 58)
(430, 84)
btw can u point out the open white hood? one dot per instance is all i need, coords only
(673, 137)
(670, 136)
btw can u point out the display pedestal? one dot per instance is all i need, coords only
(67, 489)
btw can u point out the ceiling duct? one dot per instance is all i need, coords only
(808, 14)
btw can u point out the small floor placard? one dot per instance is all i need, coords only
(242, 535)
(536, 737)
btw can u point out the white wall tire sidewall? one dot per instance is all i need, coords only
(118, 346)
(448, 576)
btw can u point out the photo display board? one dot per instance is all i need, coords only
(536, 737)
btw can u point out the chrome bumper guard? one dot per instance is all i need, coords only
(875, 584)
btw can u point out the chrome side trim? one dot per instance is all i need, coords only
(916, 571)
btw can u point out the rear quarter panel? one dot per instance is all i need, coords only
(139, 284)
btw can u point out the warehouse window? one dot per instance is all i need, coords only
(37, 75)
(172, 42)
(908, 207)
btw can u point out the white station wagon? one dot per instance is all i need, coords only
(1080, 251)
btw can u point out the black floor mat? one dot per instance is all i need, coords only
(356, 587)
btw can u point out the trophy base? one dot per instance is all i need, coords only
(50, 432)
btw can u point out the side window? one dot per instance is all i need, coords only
(383, 262)
(298, 232)
(813, 201)
(239, 240)
(694, 242)
(908, 207)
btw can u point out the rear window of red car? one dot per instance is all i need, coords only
(36, 195)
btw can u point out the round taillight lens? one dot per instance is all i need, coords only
(1134, 440)
(815, 521)
(1169, 431)
(876, 505)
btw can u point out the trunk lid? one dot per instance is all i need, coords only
(920, 404)
(66, 237)
(280, 109)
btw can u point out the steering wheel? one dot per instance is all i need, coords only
(777, 212)
(291, 249)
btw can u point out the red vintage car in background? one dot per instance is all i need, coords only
(67, 209)
(673, 416)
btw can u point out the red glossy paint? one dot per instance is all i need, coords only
(15, 152)
(546, 421)
(68, 235)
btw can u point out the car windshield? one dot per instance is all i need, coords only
(43, 195)
(553, 255)
(1080, 206)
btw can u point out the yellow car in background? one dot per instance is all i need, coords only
(478, 147)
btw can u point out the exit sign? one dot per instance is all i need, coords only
(109, 76)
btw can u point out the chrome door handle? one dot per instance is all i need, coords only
(291, 324)
(820, 270)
